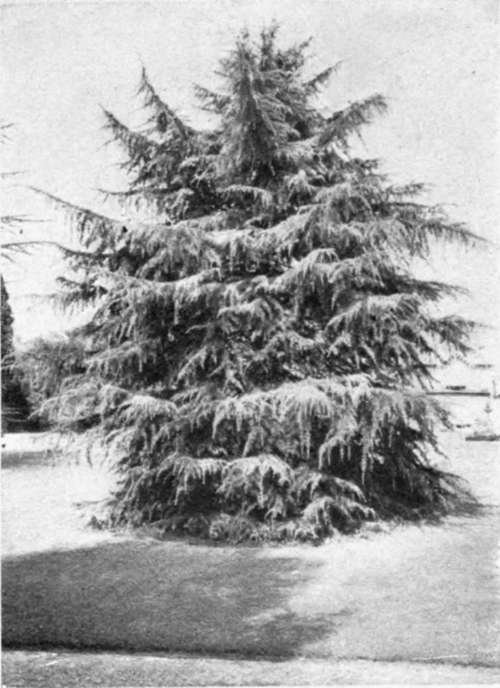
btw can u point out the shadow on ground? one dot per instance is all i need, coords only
(151, 596)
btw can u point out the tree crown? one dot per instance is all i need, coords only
(255, 350)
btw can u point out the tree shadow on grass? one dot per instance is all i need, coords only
(147, 596)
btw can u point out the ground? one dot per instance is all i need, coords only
(417, 604)
(76, 669)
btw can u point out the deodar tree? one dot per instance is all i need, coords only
(257, 355)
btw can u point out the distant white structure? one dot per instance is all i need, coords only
(474, 377)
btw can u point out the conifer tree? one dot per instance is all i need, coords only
(15, 407)
(258, 355)
(7, 345)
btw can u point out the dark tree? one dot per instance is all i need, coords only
(7, 332)
(15, 408)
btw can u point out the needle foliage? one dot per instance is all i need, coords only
(256, 356)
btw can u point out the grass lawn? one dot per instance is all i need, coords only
(66, 587)
(142, 595)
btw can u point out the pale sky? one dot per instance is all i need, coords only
(437, 62)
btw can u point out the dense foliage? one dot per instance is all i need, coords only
(15, 408)
(7, 331)
(258, 352)
(45, 365)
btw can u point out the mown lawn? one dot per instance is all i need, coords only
(143, 595)
(65, 587)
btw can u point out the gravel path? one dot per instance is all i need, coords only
(66, 670)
